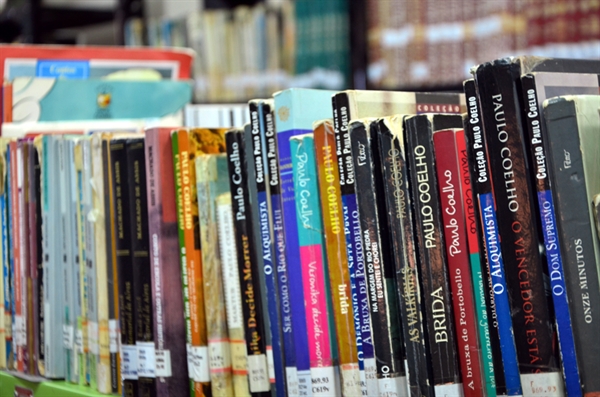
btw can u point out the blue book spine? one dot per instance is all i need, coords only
(507, 341)
(11, 266)
(5, 267)
(269, 142)
(267, 247)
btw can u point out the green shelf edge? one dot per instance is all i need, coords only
(48, 388)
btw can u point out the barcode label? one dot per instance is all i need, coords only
(146, 360)
(113, 335)
(129, 366)
(163, 363)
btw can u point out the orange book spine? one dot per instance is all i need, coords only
(200, 365)
(337, 260)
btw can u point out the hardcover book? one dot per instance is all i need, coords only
(344, 300)
(572, 125)
(379, 268)
(169, 325)
(431, 248)
(296, 110)
(318, 306)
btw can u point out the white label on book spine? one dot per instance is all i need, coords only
(363, 383)
(68, 336)
(258, 374)
(351, 380)
(323, 382)
(450, 390)
(395, 386)
(163, 363)
(79, 341)
(291, 373)
(219, 355)
(548, 384)
(113, 335)
(93, 337)
(129, 366)
(198, 364)
(371, 376)
(270, 364)
(304, 383)
(146, 364)
(18, 333)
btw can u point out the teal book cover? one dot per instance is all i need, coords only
(318, 305)
(296, 110)
(49, 99)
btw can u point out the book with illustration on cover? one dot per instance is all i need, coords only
(296, 109)
(502, 107)
(379, 268)
(212, 181)
(315, 278)
(233, 296)
(259, 206)
(169, 317)
(355, 104)
(344, 301)
(572, 126)
(502, 337)
(396, 186)
(431, 248)
(253, 311)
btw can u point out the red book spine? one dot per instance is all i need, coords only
(459, 272)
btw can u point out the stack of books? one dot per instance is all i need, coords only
(355, 243)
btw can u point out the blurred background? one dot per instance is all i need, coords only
(249, 48)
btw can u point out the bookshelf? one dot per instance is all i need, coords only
(11, 385)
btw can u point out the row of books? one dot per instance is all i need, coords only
(433, 43)
(245, 52)
(341, 243)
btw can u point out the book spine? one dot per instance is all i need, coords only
(478, 281)
(292, 253)
(233, 301)
(5, 205)
(81, 337)
(318, 307)
(501, 113)
(384, 317)
(23, 328)
(269, 141)
(575, 234)
(258, 375)
(200, 361)
(337, 260)
(354, 246)
(140, 263)
(10, 350)
(402, 240)
(121, 200)
(432, 255)
(209, 168)
(12, 216)
(4, 346)
(192, 336)
(112, 274)
(547, 214)
(486, 208)
(169, 325)
(18, 320)
(459, 271)
(32, 241)
(259, 174)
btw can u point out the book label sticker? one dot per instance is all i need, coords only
(351, 382)
(220, 356)
(129, 365)
(548, 384)
(68, 336)
(396, 387)
(371, 376)
(113, 333)
(270, 364)
(239, 363)
(198, 364)
(291, 374)
(163, 363)
(323, 381)
(449, 390)
(304, 383)
(19, 336)
(93, 337)
(79, 341)
(146, 360)
(258, 373)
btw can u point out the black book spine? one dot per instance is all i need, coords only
(121, 200)
(252, 308)
(576, 235)
(113, 310)
(432, 252)
(473, 127)
(39, 276)
(402, 241)
(517, 220)
(384, 319)
(140, 260)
